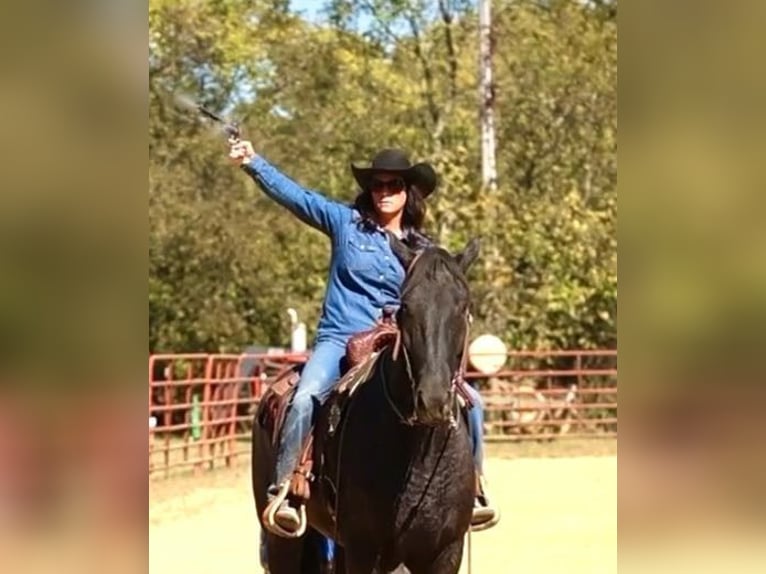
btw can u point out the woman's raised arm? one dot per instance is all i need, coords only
(309, 206)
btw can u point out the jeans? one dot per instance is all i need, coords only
(476, 427)
(319, 375)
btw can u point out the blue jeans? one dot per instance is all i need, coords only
(476, 427)
(319, 375)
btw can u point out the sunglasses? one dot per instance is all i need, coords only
(394, 185)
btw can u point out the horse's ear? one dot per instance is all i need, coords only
(466, 258)
(402, 252)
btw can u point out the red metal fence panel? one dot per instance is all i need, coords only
(201, 406)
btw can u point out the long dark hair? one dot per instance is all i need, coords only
(414, 209)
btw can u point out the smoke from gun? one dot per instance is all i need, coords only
(231, 129)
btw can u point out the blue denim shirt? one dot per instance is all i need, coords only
(364, 276)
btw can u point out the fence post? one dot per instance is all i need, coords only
(152, 420)
(152, 426)
(168, 414)
(236, 386)
(206, 397)
(185, 394)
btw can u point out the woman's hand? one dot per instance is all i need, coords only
(241, 151)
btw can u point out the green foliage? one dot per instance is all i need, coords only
(225, 262)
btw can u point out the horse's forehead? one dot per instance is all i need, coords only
(435, 272)
(435, 259)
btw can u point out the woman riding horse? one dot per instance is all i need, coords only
(364, 278)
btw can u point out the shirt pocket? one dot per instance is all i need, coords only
(360, 254)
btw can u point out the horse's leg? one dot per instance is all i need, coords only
(339, 563)
(317, 558)
(447, 562)
(284, 555)
(360, 560)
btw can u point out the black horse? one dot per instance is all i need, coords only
(395, 477)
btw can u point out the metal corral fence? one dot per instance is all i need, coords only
(201, 405)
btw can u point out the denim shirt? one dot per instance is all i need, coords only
(364, 277)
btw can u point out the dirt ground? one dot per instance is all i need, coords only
(559, 514)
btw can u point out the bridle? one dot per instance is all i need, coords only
(457, 382)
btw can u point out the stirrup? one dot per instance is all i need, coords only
(269, 513)
(487, 524)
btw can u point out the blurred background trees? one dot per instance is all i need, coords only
(316, 94)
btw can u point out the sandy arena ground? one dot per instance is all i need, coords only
(559, 515)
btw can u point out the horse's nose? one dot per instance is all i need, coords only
(431, 407)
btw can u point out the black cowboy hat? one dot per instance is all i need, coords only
(421, 175)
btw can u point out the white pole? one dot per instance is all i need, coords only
(487, 93)
(297, 332)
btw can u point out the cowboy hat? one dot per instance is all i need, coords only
(421, 175)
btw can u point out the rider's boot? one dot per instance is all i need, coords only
(484, 514)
